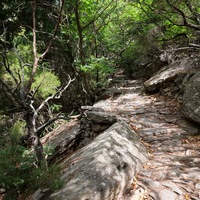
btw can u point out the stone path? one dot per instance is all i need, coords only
(173, 169)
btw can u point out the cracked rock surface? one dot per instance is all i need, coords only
(109, 163)
(173, 170)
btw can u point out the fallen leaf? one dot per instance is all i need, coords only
(187, 197)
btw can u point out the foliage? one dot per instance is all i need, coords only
(17, 169)
(17, 131)
(142, 28)
(20, 59)
(91, 39)
(13, 166)
(107, 27)
(46, 177)
(47, 82)
(56, 107)
(99, 68)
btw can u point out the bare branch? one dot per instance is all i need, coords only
(57, 117)
(98, 15)
(194, 45)
(4, 30)
(49, 122)
(19, 82)
(55, 31)
(57, 95)
(9, 92)
(185, 21)
(37, 88)
(6, 64)
(36, 58)
(31, 105)
(34, 29)
(191, 47)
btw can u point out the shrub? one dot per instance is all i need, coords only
(17, 169)
(99, 69)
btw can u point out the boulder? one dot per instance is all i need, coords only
(191, 99)
(110, 93)
(101, 117)
(91, 108)
(105, 168)
(62, 140)
(69, 137)
(92, 124)
(166, 74)
(180, 62)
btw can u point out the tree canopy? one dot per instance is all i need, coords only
(54, 54)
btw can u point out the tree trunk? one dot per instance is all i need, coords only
(38, 148)
(85, 83)
(33, 137)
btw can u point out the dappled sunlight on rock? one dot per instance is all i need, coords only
(174, 158)
(105, 168)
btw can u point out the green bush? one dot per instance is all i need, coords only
(99, 69)
(17, 169)
(46, 177)
(47, 82)
(14, 166)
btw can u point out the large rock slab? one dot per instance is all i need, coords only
(191, 99)
(73, 135)
(62, 140)
(101, 117)
(105, 168)
(168, 73)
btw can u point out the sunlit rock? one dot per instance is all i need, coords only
(105, 168)
(166, 74)
(191, 99)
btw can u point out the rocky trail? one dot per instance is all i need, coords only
(173, 169)
(104, 159)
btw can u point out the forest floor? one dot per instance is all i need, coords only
(173, 169)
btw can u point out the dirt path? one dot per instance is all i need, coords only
(173, 170)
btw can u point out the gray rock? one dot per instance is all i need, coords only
(191, 99)
(110, 93)
(166, 194)
(101, 117)
(188, 126)
(136, 194)
(105, 168)
(197, 186)
(39, 194)
(151, 183)
(193, 175)
(173, 187)
(92, 108)
(62, 139)
(168, 73)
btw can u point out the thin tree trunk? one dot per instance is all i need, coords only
(86, 86)
(33, 137)
(38, 148)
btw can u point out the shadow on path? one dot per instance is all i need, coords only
(173, 170)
